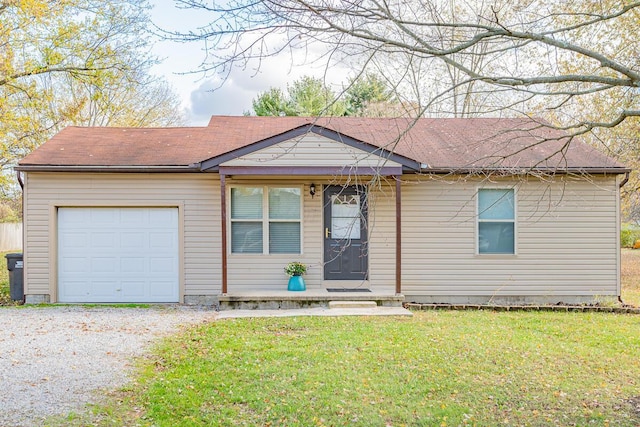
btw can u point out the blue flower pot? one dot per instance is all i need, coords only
(296, 283)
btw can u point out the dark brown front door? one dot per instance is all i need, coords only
(345, 233)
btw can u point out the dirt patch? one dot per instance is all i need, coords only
(634, 403)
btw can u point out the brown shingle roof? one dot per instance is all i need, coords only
(442, 144)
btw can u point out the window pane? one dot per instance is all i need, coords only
(345, 217)
(496, 238)
(246, 203)
(284, 237)
(496, 204)
(345, 228)
(246, 237)
(284, 203)
(347, 206)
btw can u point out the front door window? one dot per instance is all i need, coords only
(345, 216)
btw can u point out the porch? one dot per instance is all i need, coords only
(270, 215)
(274, 300)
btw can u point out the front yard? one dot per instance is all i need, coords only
(438, 368)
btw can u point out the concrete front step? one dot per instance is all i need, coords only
(352, 304)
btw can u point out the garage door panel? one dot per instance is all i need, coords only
(104, 217)
(76, 290)
(118, 255)
(161, 265)
(104, 265)
(159, 217)
(131, 265)
(103, 240)
(103, 290)
(132, 240)
(160, 240)
(161, 289)
(134, 288)
(75, 241)
(77, 216)
(74, 265)
(133, 216)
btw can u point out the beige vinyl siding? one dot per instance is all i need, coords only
(251, 272)
(311, 150)
(197, 196)
(382, 236)
(566, 234)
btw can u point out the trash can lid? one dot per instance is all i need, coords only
(13, 256)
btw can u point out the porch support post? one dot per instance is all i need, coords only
(223, 213)
(398, 234)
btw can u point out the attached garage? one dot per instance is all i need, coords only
(118, 254)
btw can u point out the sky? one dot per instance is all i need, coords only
(203, 95)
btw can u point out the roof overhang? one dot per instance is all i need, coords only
(57, 168)
(324, 170)
(526, 171)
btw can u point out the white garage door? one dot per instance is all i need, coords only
(118, 255)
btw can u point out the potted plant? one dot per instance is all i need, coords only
(296, 270)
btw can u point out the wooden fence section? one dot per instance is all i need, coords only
(10, 237)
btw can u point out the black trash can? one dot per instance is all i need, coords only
(16, 271)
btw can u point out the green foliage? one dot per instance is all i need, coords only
(629, 233)
(8, 213)
(437, 368)
(272, 103)
(311, 97)
(74, 62)
(365, 96)
(305, 97)
(365, 91)
(4, 274)
(295, 268)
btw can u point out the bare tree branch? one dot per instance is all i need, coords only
(575, 64)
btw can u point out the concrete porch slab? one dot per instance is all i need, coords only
(280, 300)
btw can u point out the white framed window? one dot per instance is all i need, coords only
(266, 220)
(496, 221)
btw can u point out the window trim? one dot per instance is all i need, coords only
(265, 220)
(513, 221)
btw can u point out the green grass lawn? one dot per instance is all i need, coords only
(4, 274)
(438, 368)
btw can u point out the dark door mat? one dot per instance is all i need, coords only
(348, 290)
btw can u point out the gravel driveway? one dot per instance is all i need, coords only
(54, 359)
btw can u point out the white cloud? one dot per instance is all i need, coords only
(212, 99)
(203, 97)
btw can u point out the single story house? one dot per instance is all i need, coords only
(430, 210)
